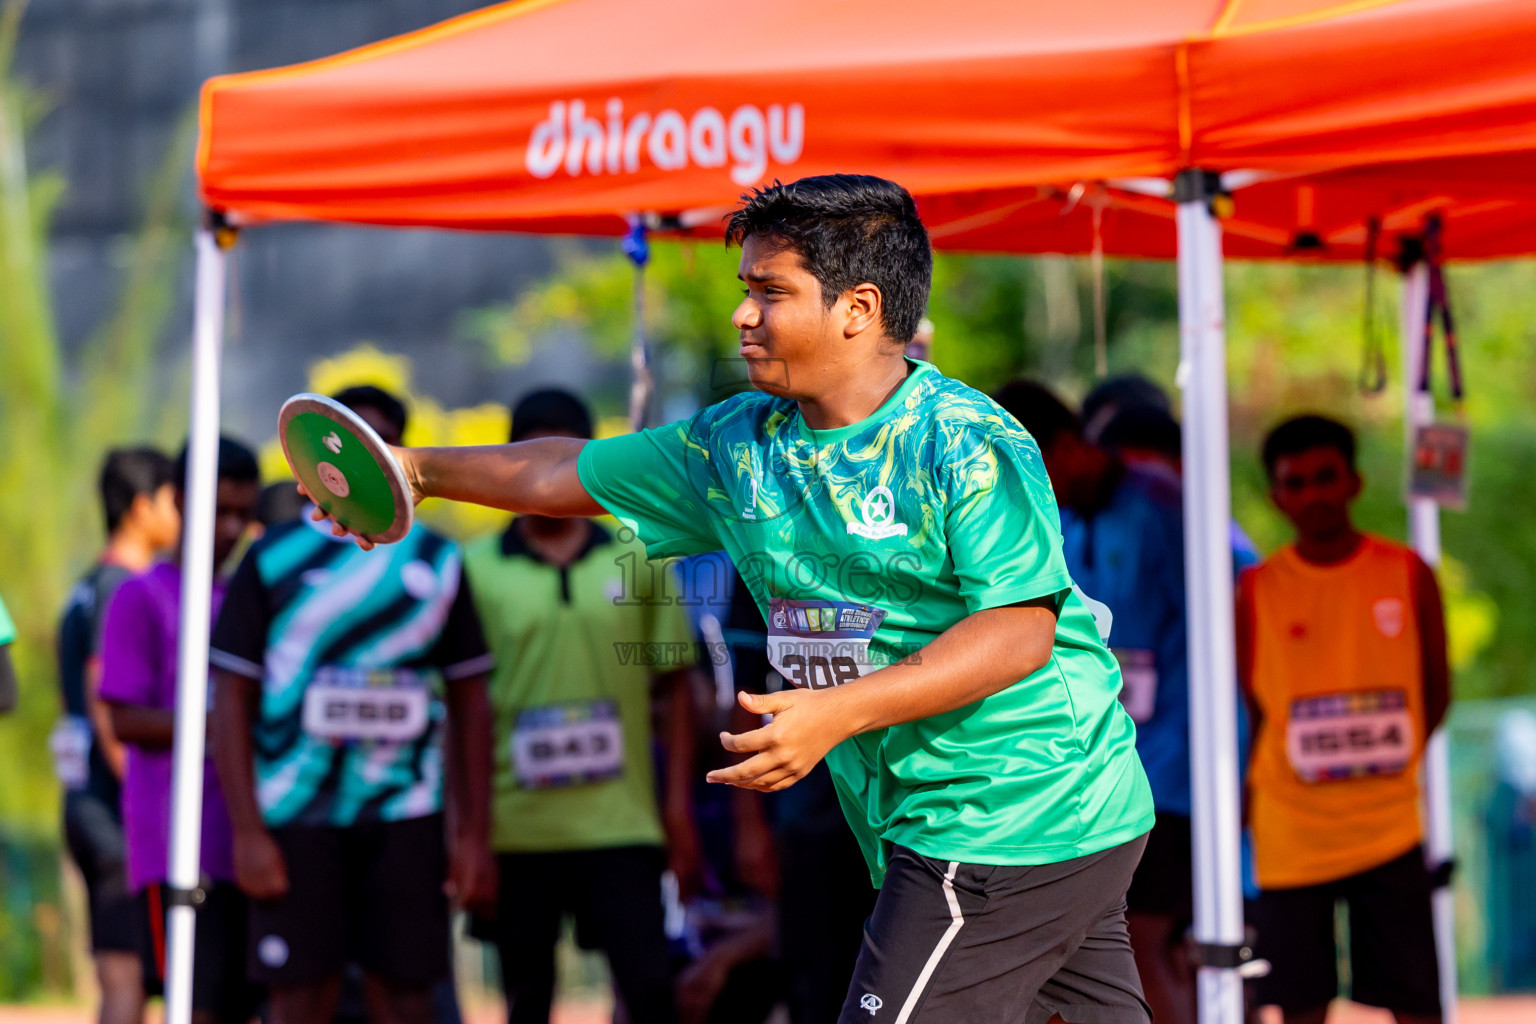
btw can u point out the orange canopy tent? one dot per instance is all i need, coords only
(1014, 121)
(1311, 217)
(565, 115)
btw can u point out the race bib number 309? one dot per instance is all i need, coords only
(817, 644)
(1350, 735)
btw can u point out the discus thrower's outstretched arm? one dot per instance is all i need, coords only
(537, 476)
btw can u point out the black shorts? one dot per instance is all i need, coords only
(219, 984)
(615, 896)
(952, 942)
(94, 835)
(1392, 958)
(823, 904)
(370, 894)
(1164, 883)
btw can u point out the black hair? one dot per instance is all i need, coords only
(1303, 433)
(369, 397)
(848, 229)
(236, 462)
(550, 409)
(127, 473)
(1142, 426)
(1036, 406)
(1124, 391)
(279, 503)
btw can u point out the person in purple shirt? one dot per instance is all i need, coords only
(138, 685)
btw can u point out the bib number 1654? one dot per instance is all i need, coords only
(1345, 736)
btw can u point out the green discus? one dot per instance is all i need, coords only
(346, 468)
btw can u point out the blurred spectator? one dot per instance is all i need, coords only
(1511, 896)
(583, 628)
(351, 686)
(138, 684)
(138, 497)
(726, 944)
(1146, 438)
(1132, 418)
(795, 845)
(1123, 537)
(1114, 395)
(1341, 649)
(279, 503)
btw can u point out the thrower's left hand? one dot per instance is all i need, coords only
(805, 726)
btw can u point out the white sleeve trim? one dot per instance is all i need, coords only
(472, 667)
(233, 663)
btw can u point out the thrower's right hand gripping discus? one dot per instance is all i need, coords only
(346, 467)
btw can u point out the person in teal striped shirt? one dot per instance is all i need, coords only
(351, 714)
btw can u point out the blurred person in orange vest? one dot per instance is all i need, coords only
(1341, 650)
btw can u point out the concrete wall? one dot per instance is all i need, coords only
(118, 75)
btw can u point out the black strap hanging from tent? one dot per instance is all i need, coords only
(1373, 360)
(1439, 303)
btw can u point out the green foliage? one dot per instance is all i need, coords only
(59, 413)
(690, 290)
(59, 416)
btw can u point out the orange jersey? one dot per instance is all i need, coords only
(1337, 671)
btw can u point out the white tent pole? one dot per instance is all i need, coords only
(1424, 536)
(184, 869)
(1219, 931)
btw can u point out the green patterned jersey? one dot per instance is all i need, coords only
(862, 544)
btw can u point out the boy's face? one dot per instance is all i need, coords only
(234, 512)
(159, 516)
(380, 423)
(793, 344)
(1313, 490)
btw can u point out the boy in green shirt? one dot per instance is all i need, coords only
(898, 531)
